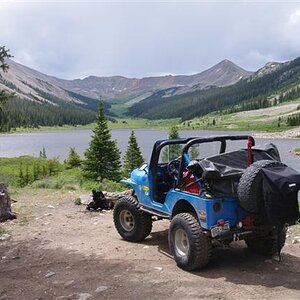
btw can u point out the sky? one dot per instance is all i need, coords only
(75, 39)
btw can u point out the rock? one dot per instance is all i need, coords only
(71, 296)
(276, 269)
(15, 257)
(146, 247)
(4, 237)
(276, 257)
(50, 274)
(294, 241)
(68, 283)
(158, 268)
(101, 288)
(84, 296)
(51, 206)
(85, 199)
(47, 215)
(269, 261)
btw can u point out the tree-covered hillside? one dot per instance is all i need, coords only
(23, 113)
(252, 93)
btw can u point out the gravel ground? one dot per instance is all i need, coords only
(56, 250)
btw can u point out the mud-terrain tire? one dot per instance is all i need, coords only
(132, 224)
(250, 185)
(270, 244)
(190, 247)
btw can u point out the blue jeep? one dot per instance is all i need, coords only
(246, 194)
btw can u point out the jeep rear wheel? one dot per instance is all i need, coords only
(190, 247)
(131, 223)
(268, 245)
(250, 185)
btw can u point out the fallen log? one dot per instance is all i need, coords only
(5, 204)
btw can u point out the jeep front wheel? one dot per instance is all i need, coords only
(131, 223)
(190, 247)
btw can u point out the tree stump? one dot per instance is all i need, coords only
(5, 204)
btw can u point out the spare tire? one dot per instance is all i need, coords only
(250, 186)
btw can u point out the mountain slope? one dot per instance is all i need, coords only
(27, 83)
(222, 74)
(251, 93)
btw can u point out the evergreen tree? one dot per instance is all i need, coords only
(27, 179)
(102, 156)
(4, 95)
(43, 154)
(172, 151)
(36, 171)
(73, 160)
(44, 170)
(194, 152)
(21, 179)
(133, 157)
(53, 166)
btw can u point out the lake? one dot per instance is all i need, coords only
(57, 143)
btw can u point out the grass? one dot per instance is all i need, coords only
(262, 122)
(212, 121)
(131, 123)
(296, 151)
(10, 167)
(67, 179)
(2, 230)
(72, 179)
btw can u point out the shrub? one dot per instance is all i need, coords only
(77, 201)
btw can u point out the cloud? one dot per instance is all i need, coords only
(75, 39)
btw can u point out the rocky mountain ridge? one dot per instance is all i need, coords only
(32, 85)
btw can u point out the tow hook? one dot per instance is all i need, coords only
(240, 235)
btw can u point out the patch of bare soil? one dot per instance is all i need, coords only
(61, 251)
(270, 111)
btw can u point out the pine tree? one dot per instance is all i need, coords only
(21, 179)
(133, 157)
(35, 172)
(43, 154)
(27, 179)
(172, 151)
(73, 160)
(194, 152)
(102, 156)
(4, 95)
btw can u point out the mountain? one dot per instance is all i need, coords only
(39, 102)
(273, 84)
(32, 85)
(29, 84)
(118, 87)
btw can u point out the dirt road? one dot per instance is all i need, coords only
(57, 250)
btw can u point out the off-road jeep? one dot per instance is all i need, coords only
(246, 194)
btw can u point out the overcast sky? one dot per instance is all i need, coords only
(74, 39)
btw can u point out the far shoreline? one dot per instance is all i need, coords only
(293, 133)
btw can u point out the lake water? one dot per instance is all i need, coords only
(57, 143)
